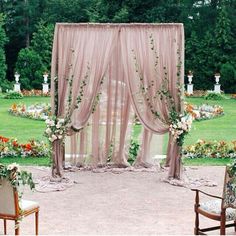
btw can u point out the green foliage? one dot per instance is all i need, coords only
(66, 11)
(16, 177)
(214, 96)
(133, 150)
(42, 42)
(228, 78)
(209, 29)
(30, 67)
(232, 169)
(13, 95)
(3, 66)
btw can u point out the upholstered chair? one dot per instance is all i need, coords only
(222, 209)
(14, 208)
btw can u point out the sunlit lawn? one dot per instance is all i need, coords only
(21, 128)
(222, 128)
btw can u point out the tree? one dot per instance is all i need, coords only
(42, 42)
(29, 65)
(3, 40)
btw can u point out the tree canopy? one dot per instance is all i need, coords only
(210, 32)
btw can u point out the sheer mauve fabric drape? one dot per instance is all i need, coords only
(78, 52)
(138, 44)
(97, 50)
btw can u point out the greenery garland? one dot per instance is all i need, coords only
(15, 176)
(179, 122)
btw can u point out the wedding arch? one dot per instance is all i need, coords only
(101, 75)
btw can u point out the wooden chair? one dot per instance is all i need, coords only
(222, 209)
(13, 208)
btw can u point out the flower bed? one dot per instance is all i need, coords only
(210, 149)
(11, 147)
(233, 96)
(196, 93)
(38, 111)
(204, 111)
(34, 92)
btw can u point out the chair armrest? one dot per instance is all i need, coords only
(210, 195)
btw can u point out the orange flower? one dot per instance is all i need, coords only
(15, 144)
(3, 139)
(14, 107)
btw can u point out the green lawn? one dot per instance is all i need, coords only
(21, 128)
(222, 128)
(28, 161)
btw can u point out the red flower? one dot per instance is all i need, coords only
(15, 144)
(3, 139)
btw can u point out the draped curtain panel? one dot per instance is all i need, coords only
(111, 59)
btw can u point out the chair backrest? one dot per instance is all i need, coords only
(229, 192)
(8, 199)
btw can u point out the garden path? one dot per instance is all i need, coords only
(125, 203)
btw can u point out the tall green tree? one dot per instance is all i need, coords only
(33, 61)
(21, 19)
(3, 40)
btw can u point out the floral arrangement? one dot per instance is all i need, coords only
(180, 126)
(204, 111)
(232, 169)
(55, 129)
(11, 147)
(34, 92)
(210, 149)
(37, 111)
(16, 177)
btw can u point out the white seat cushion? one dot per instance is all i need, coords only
(215, 207)
(26, 205)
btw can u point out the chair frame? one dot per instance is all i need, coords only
(19, 214)
(218, 217)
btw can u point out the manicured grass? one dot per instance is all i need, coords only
(30, 161)
(21, 128)
(206, 161)
(222, 128)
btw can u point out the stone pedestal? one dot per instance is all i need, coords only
(217, 88)
(45, 87)
(17, 87)
(190, 89)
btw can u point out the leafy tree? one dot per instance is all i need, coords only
(228, 78)
(66, 11)
(30, 67)
(3, 40)
(21, 17)
(42, 42)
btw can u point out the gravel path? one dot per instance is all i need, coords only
(125, 203)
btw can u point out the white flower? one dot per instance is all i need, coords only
(58, 126)
(61, 121)
(48, 131)
(13, 166)
(60, 136)
(48, 121)
(52, 123)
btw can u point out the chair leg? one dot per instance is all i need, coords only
(17, 227)
(36, 223)
(196, 229)
(5, 226)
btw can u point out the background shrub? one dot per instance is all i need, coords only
(13, 95)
